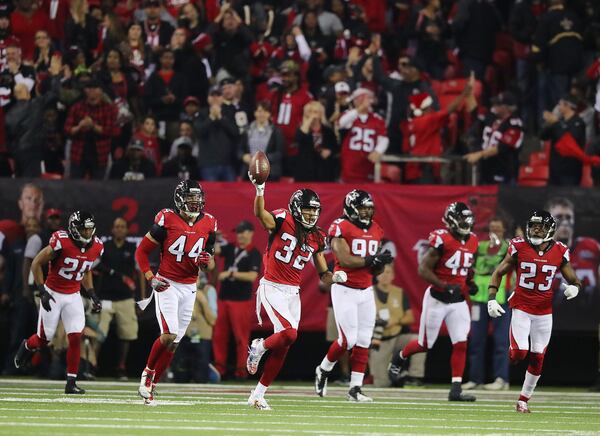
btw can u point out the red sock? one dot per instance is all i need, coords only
(536, 361)
(35, 342)
(359, 359)
(282, 339)
(162, 364)
(523, 398)
(73, 354)
(335, 352)
(157, 350)
(413, 347)
(273, 365)
(458, 359)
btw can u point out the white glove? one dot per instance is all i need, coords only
(494, 309)
(339, 277)
(571, 291)
(260, 188)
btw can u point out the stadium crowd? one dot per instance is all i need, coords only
(128, 89)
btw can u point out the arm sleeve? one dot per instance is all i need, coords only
(303, 47)
(347, 118)
(142, 252)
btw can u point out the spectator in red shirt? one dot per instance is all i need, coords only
(90, 124)
(57, 12)
(424, 138)
(364, 138)
(288, 106)
(153, 147)
(25, 21)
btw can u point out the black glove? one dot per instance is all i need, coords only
(473, 289)
(379, 260)
(45, 298)
(96, 303)
(452, 289)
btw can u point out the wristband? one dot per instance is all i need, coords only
(260, 190)
(321, 274)
(493, 287)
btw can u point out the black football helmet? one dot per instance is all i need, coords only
(459, 218)
(305, 199)
(79, 221)
(548, 223)
(189, 198)
(355, 199)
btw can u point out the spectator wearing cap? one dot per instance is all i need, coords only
(24, 124)
(25, 21)
(424, 127)
(475, 26)
(219, 141)
(164, 93)
(235, 312)
(119, 280)
(288, 106)
(156, 28)
(263, 135)
(81, 29)
(329, 23)
(337, 105)
(317, 146)
(133, 166)
(231, 40)
(501, 137)
(364, 138)
(399, 89)
(90, 124)
(558, 46)
(191, 109)
(183, 165)
(233, 107)
(564, 171)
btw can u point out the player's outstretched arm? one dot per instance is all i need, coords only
(264, 216)
(427, 265)
(574, 286)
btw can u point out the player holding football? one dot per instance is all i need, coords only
(186, 238)
(355, 239)
(70, 256)
(537, 258)
(446, 266)
(294, 239)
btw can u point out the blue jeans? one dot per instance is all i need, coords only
(217, 173)
(478, 338)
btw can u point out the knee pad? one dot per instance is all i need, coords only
(536, 360)
(289, 336)
(517, 355)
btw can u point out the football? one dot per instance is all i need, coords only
(259, 167)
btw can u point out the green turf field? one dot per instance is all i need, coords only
(109, 408)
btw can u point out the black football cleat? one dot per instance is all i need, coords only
(397, 370)
(72, 388)
(23, 355)
(321, 377)
(456, 394)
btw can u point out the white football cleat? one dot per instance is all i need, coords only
(469, 386)
(146, 382)
(254, 355)
(356, 395)
(151, 401)
(258, 402)
(497, 385)
(522, 407)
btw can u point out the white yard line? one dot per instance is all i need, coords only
(245, 429)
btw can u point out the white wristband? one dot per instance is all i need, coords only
(260, 190)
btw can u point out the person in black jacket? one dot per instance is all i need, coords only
(184, 166)
(134, 166)
(317, 146)
(564, 171)
(558, 44)
(164, 93)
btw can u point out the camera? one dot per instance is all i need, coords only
(378, 333)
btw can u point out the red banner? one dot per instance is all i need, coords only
(406, 213)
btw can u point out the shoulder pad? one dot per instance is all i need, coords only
(515, 122)
(280, 213)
